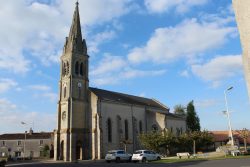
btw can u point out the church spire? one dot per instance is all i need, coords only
(75, 42)
(75, 30)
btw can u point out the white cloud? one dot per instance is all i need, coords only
(40, 87)
(40, 29)
(51, 96)
(11, 116)
(43, 91)
(41, 73)
(181, 6)
(188, 40)
(219, 68)
(6, 84)
(143, 94)
(108, 64)
(184, 73)
(6, 105)
(98, 39)
(206, 103)
(133, 73)
(8, 61)
(96, 11)
(115, 69)
(22, 33)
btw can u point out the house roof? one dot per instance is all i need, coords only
(21, 136)
(220, 135)
(125, 98)
(223, 136)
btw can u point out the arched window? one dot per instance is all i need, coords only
(64, 92)
(64, 69)
(140, 127)
(81, 69)
(77, 68)
(109, 130)
(67, 68)
(126, 129)
(119, 124)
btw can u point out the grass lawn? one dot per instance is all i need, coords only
(201, 159)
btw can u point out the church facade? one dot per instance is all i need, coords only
(92, 121)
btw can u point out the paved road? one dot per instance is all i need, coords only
(213, 163)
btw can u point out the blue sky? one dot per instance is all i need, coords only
(173, 51)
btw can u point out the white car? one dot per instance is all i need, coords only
(117, 156)
(145, 155)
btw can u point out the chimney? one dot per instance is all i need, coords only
(31, 131)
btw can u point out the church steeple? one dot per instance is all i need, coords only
(73, 126)
(74, 41)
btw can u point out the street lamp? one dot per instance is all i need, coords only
(228, 116)
(23, 123)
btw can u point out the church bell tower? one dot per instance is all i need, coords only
(71, 140)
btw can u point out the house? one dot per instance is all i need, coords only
(221, 138)
(30, 144)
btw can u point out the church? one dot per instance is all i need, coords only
(92, 121)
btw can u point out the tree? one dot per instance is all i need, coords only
(194, 136)
(45, 151)
(194, 140)
(193, 121)
(245, 134)
(152, 140)
(158, 141)
(200, 139)
(169, 141)
(179, 109)
(206, 138)
(184, 142)
(165, 142)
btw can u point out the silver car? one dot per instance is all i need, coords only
(145, 155)
(117, 156)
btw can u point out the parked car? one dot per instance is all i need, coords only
(145, 155)
(118, 156)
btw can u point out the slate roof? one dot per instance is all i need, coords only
(125, 98)
(176, 116)
(21, 136)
